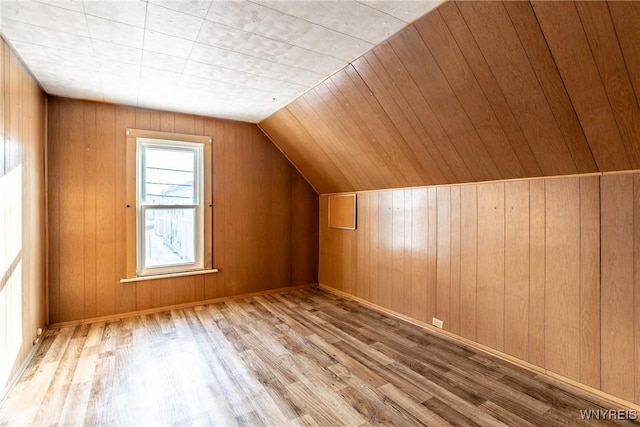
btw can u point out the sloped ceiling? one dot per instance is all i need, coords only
(476, 91)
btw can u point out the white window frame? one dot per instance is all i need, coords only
(141, 207)
(129, 272)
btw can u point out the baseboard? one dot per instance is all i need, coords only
(4, 393)
(559, 380)
(177, 306)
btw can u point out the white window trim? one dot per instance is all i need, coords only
(141, 207)
(130, 273)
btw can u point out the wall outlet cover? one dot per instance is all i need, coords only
(437, 323)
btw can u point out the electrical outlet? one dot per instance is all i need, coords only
(38, 332)
(437, 323)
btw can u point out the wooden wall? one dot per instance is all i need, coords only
(22, 213)
(476, 91)
(265, 214)
(544, 270)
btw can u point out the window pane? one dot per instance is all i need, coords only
(169, 177)
(169, 237)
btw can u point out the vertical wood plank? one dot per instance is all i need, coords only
(374, 245)
(214, 284)
(143, 289)
(562, 292)
(71, 213)
(636, 211)
(114, 295)
(516, 278)
(108, 264)
(432, 260)
(363, 245)
(89, 209)
(304, 232)
(397, 283)
(590, 281)
(454, 316)
(419, 253)
(490, 284)
(468, 260)
(537, 251)
(443, 255)
(53, 208)
(407, 296)
(385, 242)
(617, 287)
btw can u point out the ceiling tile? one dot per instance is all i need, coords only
(348, 17)
(117, 52)
(222, 36)
(177, 24)
(169, 45)
(75, 5)
(163, 62)
(132, 12)
(115, 32)
(234, 59)
(55, 18)
(197, 8)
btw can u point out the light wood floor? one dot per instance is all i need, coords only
(299, 358)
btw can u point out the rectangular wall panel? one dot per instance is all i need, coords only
(617, 234)
(562, 292)
(516, 274)
(490, 288)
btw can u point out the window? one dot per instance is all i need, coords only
(169, 205)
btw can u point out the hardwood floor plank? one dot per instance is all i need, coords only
(304, 358)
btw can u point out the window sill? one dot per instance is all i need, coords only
(168, 276)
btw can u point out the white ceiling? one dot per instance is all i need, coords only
(236, 59)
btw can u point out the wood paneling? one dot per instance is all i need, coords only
(590, 281)
(475, 91)
(265, 215)
(586, 46)
(512, 265)
(619, 262)
(516, 269)
(490, 280)
(562, 290)
(22, 213)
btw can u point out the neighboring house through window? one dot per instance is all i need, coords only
(169, 203)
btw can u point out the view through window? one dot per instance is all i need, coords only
(169, 206)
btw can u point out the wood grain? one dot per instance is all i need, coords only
(22, 209)
(617, 236)
(528, 259)
(517, 274)
(560, 24)
(562, 266)
(590, 298)
(491, 264)
(537, 269)
(301, 357)
(468, 260)
(250, 175)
